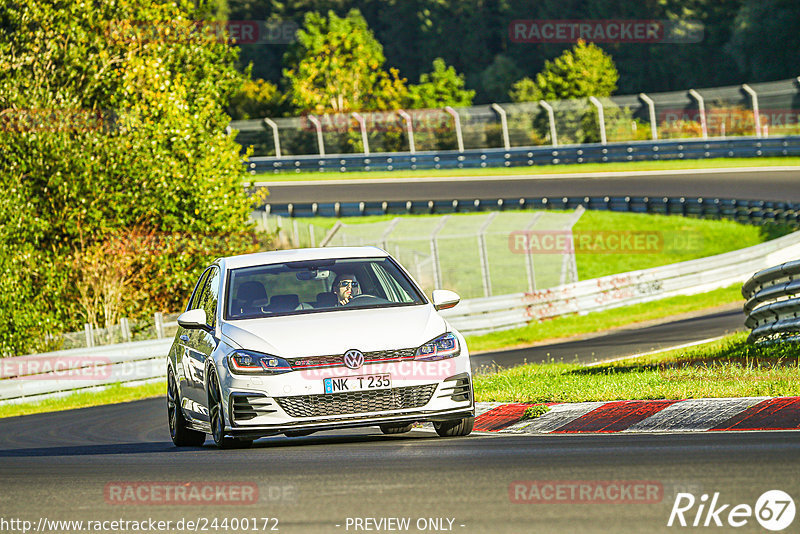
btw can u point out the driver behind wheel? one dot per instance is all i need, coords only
(345, 286)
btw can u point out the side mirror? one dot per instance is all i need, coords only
(193, 319)
(444, 299)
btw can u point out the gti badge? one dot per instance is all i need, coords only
(353, 359)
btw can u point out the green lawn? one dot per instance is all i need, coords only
(716, 163)
(725, 368)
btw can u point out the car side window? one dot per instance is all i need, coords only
(210, 296)
(194, 301)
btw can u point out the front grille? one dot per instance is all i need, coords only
(457, 388)
(337, 360)
(246, 407)
(357, 401)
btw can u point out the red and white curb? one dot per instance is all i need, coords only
(689, 415)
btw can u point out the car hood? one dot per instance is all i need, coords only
(335, 332)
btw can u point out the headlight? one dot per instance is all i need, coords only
(251, 362)
(443, 347)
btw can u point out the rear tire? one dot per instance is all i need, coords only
(455, 427)
(217, 414)
(179, 431)
(396, 429)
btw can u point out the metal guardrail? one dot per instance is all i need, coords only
(477, 316)
(39, 376)
(742, 147)
(773, 302)
(747, 211)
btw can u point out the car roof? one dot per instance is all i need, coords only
(303, 254)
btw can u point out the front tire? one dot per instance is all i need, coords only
(217, 413)
(179, 431)
(455, 427)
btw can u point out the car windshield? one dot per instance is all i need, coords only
(318, 286)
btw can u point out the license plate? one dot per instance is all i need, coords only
(356, 383)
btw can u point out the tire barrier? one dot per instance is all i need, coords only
(773, 302)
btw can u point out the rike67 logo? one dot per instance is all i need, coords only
(774, 510)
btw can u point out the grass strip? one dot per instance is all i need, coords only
(563, 327)
(725, 368)
(114, 394)
(713, 163)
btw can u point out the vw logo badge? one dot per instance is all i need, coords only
(353, 359)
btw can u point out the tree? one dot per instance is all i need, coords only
(337, 66)
(583, 71)
(441, 87)
(109, 123)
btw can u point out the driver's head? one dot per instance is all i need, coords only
(345, 286)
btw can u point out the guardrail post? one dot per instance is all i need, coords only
(318, 126)
(484, 256)
(701, 104)
(158, 319)
(651, 106)
(552, 118)
(600, 118)
(409, 129)
(503, 124)
(437, 268)
(756, 115)
(271, 123)
(457, 121)
(363, 126)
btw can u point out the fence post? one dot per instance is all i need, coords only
(311, 235)
(363, 126)
(503, 124)
(389, 230)
(651, 106)
(457, 121)
(552, 118)
(600, 118)
(701, 104)
(318, 126)
(484, 256)
(158, 319)
(271, 123)
(529, 253)
(87, 328)
(437, 268)
(756, 116)
(125, 327)
(409, 129)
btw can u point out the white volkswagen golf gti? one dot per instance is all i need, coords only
(297, 341)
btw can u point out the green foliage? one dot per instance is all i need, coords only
(109, 124)
(441, 87)
(257, 99)
(766, 38)
(337, 66)
(585, 70)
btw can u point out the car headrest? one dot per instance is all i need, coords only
(250, 291)
(280, 303)
(326, 300)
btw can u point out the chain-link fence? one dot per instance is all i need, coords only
(762, 109)
(476, 256)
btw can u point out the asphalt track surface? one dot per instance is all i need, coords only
(764, 184)
(61, 466)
